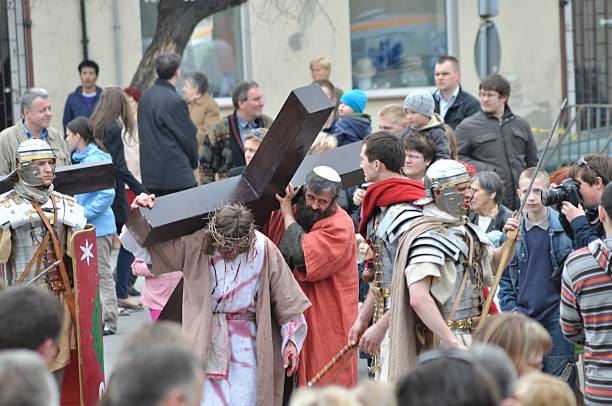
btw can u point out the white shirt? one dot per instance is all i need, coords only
(445, 105)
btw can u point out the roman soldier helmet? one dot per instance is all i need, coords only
(443, 176)
(28, 151)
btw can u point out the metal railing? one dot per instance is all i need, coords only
(588, 130)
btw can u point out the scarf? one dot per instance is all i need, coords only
(386, 193)
(32, 193)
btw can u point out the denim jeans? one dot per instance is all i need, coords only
(562, 351)
(124, 270)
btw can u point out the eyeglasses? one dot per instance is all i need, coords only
(583, 162)
(488, 95)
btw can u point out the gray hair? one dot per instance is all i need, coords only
(318, 184)
(241, 91)
(494, 360)
(490, 182)
(199, 80)
(26, 380)
(32, 94)
(148, 375)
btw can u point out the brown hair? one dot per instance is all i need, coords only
(82, 126)
(112, 105)
(521, 337)
(496, 83)
(234, 222)
(448, 58)
(591, 167)
(422, 144)
(452, 141)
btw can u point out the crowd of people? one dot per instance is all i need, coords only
(398, 272)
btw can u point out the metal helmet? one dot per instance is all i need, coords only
(28, 151)
(443, 176)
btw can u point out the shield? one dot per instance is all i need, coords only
(90, 352)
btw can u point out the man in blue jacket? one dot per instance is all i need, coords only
(83, 100)
(531, 283)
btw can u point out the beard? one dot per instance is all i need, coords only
(306, 217)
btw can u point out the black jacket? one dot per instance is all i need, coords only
(503, 214)
(168, 145)
(464, 106)
(113, 143)
(504, 146)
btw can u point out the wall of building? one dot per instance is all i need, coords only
(57, 48)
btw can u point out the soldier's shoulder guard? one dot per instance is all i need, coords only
(482, 237)
(396, 221)
(14, 210)
(70, 212)
(435, 246)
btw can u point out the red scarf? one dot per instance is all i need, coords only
(387, 192)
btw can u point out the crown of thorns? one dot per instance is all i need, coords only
(225, 241)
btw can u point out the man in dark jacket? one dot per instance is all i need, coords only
(452, 103)
(82, 101)
(494, 139)
(168, 146)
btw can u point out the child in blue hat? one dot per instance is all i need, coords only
(354, 125)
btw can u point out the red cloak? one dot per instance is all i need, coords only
(330, 281)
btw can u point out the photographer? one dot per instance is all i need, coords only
(580, 221)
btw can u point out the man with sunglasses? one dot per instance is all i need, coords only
(581, 223)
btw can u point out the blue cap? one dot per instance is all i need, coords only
(356, 99)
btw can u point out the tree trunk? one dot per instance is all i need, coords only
(175, 23)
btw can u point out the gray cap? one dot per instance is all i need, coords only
(420, 101)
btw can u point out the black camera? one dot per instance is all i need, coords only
(567, 191)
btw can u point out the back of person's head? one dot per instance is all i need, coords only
(25, 380)
(111, 106)
(154, 374)
(386, 148)
(606, 201)
(240, 93)
(198, 80)
(327, 396)
(422, 144)
(490, 182)
(89, 64)
(29, 316)
(592, 166)
(523, 339)
(497, 365)
(373, 393)
(323, 142)
(166, 65)
(496, 83)
(82, 126)
(156, 335)
(539, 389)
(326, 83)
(447, 377)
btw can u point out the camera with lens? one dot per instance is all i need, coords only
(567, 191)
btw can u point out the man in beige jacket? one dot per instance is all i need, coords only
(36, 121)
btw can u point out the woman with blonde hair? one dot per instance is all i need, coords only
(524, 340)
(540, 389)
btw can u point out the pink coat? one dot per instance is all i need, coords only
(157, 289)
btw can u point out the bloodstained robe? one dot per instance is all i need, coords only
(326, 270)
(279, 300)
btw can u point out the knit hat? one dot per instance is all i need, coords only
(420, 101)
(356, 99)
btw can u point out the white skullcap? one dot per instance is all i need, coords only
(327, 173)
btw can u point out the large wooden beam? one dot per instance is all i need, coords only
(278, 157)
(74, 179)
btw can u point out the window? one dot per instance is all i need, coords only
(395, 43)
(215, 47)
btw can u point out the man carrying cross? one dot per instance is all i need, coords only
(36, 224)
(241, 306)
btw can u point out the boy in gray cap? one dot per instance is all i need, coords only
(419, 107)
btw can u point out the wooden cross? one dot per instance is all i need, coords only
(271, 169)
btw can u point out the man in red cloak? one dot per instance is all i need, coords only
(317, 239)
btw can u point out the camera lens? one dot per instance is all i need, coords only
(552, 197)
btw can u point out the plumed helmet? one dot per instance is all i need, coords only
(28, 151)
(443, 176)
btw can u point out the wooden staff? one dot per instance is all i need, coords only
(331, 364)
(511, 236)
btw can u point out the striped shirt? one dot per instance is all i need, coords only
(586, 315)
